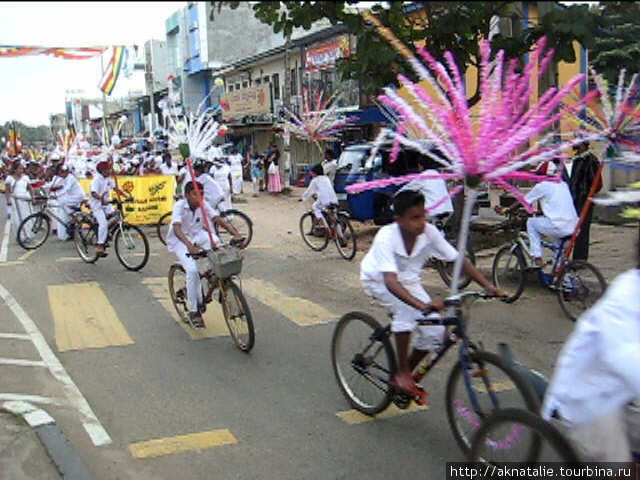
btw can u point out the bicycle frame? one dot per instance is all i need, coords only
(558, 262)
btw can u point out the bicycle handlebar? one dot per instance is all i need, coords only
(460, 298)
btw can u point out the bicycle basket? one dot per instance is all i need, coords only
(226, 260)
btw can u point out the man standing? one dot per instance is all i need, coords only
(583, 174)
(330, 165)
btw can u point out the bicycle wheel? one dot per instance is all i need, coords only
(241, 222)
(345, 237)
(507, 437)
(508, 272)
(162, 227)
(445, 269)
(178, 291)
(491, 385)
(579, 287)
(313, 234)
(84, 238)
(237, 315)
(363, 362)
(33, 231)
(132, 247)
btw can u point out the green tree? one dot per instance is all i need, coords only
(618, 44)
(454, 26)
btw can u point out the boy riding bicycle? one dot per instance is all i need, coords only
(322, 188)
(390, 272)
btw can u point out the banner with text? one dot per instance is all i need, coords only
(248, 101)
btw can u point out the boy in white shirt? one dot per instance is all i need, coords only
(100, 202)
(590, 397)
(188, 234)
(433, 190)
(560, 218)
(69, 196)
(322, 188)
(390, 272)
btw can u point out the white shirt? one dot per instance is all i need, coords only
(221, 175)
(388, 254)
(330, 167)
(102, 186)
(20, 187)
(557, 204)
(597, 371)
(213, 194)
(235, 163)
(434, 190)
(169, 170)
(71, 189)
(322, 187)
(191, 221)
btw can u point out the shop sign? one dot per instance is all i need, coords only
(324, 56)
(248, 101)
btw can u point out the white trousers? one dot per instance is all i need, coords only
(101, 217)
(21, 210)
(428, 337)
(538, 226)
(65, 205)
(194, 289)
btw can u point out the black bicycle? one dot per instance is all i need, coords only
(334, 225)
(130, 242)
(364, 362)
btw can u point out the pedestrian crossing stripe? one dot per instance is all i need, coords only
(84, 318)
(300, 311)
(182, 443)
(213, 317)
(354, 417)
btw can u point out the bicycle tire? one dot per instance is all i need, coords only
(177, 279)
(582, 293)
(238, 317)
(354, 366)
(313, 235)
(510, 277)
(463, 417)
(348, 251)
(30, 227)
(84, 238)
(491, 447)
(445, 269)
(241, 222)
(162, 227)
(124, 243)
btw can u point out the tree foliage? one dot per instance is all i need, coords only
(454, 26)
(617, 45)
(28, 134)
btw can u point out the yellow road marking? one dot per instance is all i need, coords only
(26, 255)
(213, 317)
(354, 417)
(495, 386)
(84, 318)
(11, 264)
(299, 310)
(182, 443)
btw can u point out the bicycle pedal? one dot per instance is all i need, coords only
(401, 400)
(480, 373)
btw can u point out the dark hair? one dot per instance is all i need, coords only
(318, 169)
(199, 167)
(329, 153)
(188, 188)
(406, 199)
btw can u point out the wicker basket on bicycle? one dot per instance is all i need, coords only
(226, 261)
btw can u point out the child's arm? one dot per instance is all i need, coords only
(394, 286)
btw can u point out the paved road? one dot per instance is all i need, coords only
(100, 348)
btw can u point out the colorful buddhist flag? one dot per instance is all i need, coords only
(110, 75)
(68, 53)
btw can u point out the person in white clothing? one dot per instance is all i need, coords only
(221, 173)
(19, 193)
(235, 168)
(594, 393)
(436, 196)
(322, 188)
(330, 165)
(188, 234)
(100, 202)
(70, 195)
(390, 272)
(560, 218)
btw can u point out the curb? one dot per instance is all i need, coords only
(58, 447)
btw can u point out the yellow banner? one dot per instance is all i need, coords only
(153, 195)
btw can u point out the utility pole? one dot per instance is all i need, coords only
(148, 75)
(286, 102)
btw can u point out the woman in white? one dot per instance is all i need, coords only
(21, 194)
(221, 173)
(235, 165)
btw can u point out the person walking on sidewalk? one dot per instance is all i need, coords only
(273, 170)
(583, 174)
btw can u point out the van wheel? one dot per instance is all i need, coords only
(382, 212)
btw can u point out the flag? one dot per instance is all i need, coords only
(110, 75)
(73, 53)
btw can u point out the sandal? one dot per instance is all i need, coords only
(404, 383)
(196, 321)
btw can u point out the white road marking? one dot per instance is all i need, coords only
(21, 363)
(15, 397)
(15, 336)
(4, 249)
(90, 422)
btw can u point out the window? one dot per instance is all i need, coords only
(258, 82)
(265, 80)
(238, 86)
(294, 82)
(231, 88)
(276, 86)
(245, 84)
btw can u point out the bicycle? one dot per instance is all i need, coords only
(34, 229)
(227, 264)
(238, 220)
(364, 362)
(445, 269)
(579, 284)
(131, 244)
(334, 225)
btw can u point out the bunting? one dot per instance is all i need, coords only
(110, 75)
(67, 53)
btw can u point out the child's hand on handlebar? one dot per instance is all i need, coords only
(435, 305)
(500, 210)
